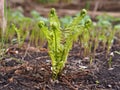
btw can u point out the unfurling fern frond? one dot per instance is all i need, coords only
(55, 35)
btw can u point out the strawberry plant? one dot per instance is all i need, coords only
(60, 39)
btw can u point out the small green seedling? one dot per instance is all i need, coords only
(111, 37)
(20, 35)
(97, 82)
(60, 39)
(110, 60)
(103, 34)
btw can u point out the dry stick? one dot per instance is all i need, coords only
(26, 51)
(95, 8)
(1, 10)
(2, 18)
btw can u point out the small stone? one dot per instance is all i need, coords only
(48, 61)
(42, 69)
(109, 86)
(16, 52)
(10, 79)
(83, 67)
(65, 71)
(18, 72)
(29, 68)
(86, 58)
(110, 68)
(112, 54)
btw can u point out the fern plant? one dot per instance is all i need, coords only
(20, 35)
(60, 39)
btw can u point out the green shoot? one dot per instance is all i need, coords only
(60, 40)
(20, 35)
(110, 60)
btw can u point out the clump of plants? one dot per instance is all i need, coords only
(24, 29)
(103, 33)
(60, 40)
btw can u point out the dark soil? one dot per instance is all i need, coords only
(30, 70)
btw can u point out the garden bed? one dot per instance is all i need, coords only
(28, 66)
(33, 72)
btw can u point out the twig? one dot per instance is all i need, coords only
(26, 51)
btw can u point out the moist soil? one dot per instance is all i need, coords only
(26, 69)
(29, 68)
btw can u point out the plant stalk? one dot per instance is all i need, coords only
(2, 18)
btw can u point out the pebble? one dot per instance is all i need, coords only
(110, 68)
(82, 67)
(109, 86)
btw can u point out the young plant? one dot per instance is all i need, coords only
(20, 35)
(85, 39)
(111, 37)
(60, 39)
(110, 60)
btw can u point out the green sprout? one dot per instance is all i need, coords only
(60, 40)
(20, 35)
(103, 34)
(110, 59)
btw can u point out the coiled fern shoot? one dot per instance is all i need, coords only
(60, 39)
